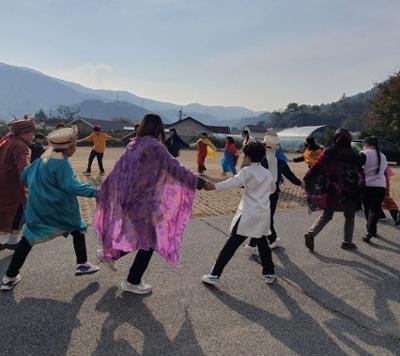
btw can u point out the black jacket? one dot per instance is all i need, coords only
(283, 170)
(174, 144)
(37, 150)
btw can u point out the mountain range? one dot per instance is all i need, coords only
(24, 90)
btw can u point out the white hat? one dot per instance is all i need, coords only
(63, 138)
(271, 139)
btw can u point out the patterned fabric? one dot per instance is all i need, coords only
(145, 202)
(14, 157)
(336, 180)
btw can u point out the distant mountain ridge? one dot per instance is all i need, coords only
(25, 90)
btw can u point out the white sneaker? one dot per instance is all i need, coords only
(86, 173)
(86, 268)
(141, 288)
(12, 242)
(108, 262)
(252, 250)
(210, 279)
(275, 244)
(269, 278)
(9, 283)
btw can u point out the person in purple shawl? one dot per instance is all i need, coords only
(144, 204)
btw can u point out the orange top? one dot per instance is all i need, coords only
(99, 141)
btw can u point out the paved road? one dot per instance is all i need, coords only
(331, 302)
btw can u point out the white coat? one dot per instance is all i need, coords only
(254, 208)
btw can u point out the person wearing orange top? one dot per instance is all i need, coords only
(311, 154)
(204, 147)
(99, 140)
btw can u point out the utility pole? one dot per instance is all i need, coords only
(180, 114)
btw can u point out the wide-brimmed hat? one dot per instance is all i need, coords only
(63, 138)
(271, 139)
(21, 126)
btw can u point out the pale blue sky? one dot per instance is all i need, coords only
(258, 54)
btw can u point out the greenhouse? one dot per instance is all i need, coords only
(292, 139)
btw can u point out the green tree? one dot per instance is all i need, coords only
(383, 118)
(67, 113)
(292, 107)
(41, 116)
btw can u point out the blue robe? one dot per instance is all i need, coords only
(52, 208)
(228, 163)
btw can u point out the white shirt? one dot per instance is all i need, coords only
(371, 164)
(254, 208)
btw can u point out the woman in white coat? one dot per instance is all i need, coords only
(250, 218)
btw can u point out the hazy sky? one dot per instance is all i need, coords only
(259, 54)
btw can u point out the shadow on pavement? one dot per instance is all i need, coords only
(296, 332)
(131, 309)
(350, 320)
(39, 326)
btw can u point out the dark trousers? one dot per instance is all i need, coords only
(24, 247)
(18, 219)
(349, 215)
(99, 156)
(273, 200)
(233, 243)
(139, 266)
(372, 201)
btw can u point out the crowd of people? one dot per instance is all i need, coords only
(146, 201)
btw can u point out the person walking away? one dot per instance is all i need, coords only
(335, 183)
(52, 209)
(375, 184)
(228, 162)
(311, 154)
(249, 220)
(36, 147)
(278, 168)
(14, 157)
(204, 148)
(174, 143)
(99, 140)
(144, 204)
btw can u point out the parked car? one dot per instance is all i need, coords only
(390, 150)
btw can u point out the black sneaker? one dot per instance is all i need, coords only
(367, 238)
(9, 283)
(349, 246)
(309, 241)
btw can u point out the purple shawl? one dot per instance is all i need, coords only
(145, 202)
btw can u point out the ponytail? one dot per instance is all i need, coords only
(373, 141)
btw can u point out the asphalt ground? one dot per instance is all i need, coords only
(330, 302)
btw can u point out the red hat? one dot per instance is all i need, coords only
(20, 126)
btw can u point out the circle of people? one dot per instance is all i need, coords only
(146, 201)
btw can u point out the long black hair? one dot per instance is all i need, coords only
(373, 141)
